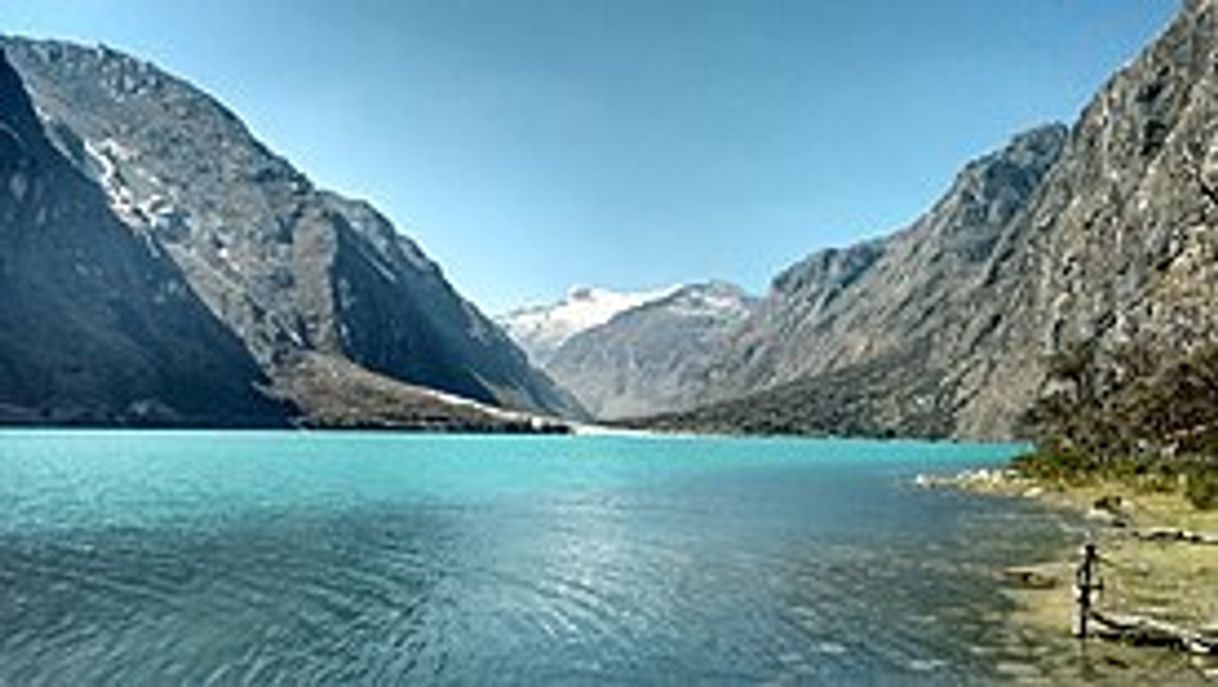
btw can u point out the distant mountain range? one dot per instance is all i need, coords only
(632, 354)
(161, 266)
(542, 329)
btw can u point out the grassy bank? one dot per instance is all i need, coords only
(1164, 579)
(1126, 435)
(1192, 478)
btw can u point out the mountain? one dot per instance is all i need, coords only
(1101, 238)
(869, 339)
(653, 357)
(97, 324)
(541, 329)
(290, 273)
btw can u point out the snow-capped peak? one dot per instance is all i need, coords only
(541, 329)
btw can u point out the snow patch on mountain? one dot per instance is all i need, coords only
(541, 329)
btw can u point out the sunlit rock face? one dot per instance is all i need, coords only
(866, 339)
(1103, 234)
(287, 268)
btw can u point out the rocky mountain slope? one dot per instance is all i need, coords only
(290, 271)
(882, 309)
(653, 357)
(1101, 238)
(541, 329)
(860, 340)
(97, 324)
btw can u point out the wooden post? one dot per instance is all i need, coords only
(1086, 581)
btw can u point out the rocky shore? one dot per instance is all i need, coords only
(1156, 616)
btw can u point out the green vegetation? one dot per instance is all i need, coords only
(1173, 582)
(1118, 417)
(1195, 477)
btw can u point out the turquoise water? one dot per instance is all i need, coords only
(291, 558)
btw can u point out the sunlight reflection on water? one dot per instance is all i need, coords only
(265, 557)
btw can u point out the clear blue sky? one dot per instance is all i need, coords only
(533, 144)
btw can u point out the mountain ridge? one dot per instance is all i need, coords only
(1107, 246)
(288, 268)
(137, 347)
(654, 356)
(541, 329)
(1097, 237)
(860, 318)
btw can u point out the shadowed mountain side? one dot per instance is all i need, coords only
(889, 396)
(288, 268)
(97, 325)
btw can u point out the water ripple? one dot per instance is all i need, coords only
(787, 573)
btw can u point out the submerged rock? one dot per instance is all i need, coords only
(1031, 577)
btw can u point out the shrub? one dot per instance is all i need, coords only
(1058, 462)
(1201, 487)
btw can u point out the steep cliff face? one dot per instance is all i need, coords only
(288, 268)
(97, 324)
(1119, 249)
(867, 339)
(397, 315)
(1100, 239)
(841, 307)
(654, 357)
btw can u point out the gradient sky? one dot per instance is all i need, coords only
(529, 145)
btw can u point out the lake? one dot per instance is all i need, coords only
(299, 557)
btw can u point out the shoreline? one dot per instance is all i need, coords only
(1158, 563)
